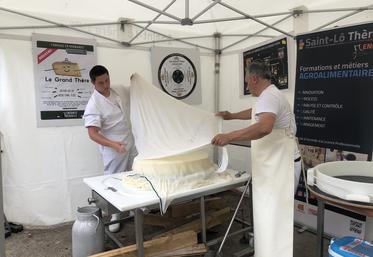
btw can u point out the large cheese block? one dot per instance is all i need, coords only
(190, 169)
(180, 165)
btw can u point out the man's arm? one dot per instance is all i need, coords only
(95, 135)
(242, 115)
(258, 130)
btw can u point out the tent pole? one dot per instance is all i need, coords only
(254, 19)
(170, 39)
(256, 33)
(246, 35)
(343, 17)
(217, 43)
(186, 9)
(366, 8)
(86, 25)
(155, 10)
(151, 22)
(2, 232)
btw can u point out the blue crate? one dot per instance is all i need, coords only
(350, 247)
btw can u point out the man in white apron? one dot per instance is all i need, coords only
(109, 126)
(246, 115)
(272, 150)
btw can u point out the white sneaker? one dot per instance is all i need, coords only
(114, 228)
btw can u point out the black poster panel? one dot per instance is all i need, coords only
(275, 56)
(334, 88)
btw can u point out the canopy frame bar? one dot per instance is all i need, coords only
(193, 21)
(369, 7)
(151, 22)
(155, 10)
(255, 34)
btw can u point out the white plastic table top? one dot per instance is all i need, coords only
(125, 199)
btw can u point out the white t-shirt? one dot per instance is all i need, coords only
(273, 101)
(107, 114)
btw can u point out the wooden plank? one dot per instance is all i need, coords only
(162, 221)
(193, 207)
(155, 246)
(212, 220)
(198, 249)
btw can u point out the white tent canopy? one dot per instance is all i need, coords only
(192, 22)
(43, 167)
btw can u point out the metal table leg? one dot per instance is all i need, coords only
(233, 217)
(203, 220)
(320, 227)
(139, 219)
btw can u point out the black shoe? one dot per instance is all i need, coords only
(15, 228)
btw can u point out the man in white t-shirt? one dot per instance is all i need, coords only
(271, 100)
(272, 135)
(109, 126)
(246, 115)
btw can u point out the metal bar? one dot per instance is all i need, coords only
(234, 215)
(186, 9)
(254, 19)
(139, 220)
(320, 227)
(58, 24)
(2, 232)
(156, 22)
(242, 17)
(83, 25)
(246, 35)
(366, 8)
(205, 10)
(217, 46)
(256, 33)
(220, 20)
(243, 222)
(185, 42)
(341, 18)
(156, 10)
(112, 238)
(203, 219)
(219, 239)
(150, 23)
(166, 40)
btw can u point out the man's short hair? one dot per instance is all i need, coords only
(96, 71)
(259, 69)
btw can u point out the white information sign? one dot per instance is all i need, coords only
(62, 83)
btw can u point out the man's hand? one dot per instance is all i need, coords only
(119, 147)
(225, 115)
(221, 139)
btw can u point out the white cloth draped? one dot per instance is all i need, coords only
(164, 126)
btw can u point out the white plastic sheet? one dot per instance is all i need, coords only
(164, 126)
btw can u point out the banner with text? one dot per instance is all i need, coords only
(62, 84)
(334, 87)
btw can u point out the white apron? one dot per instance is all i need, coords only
(113, 161)
(273, 193)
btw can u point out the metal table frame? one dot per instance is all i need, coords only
(100, 201)
(322, 199)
